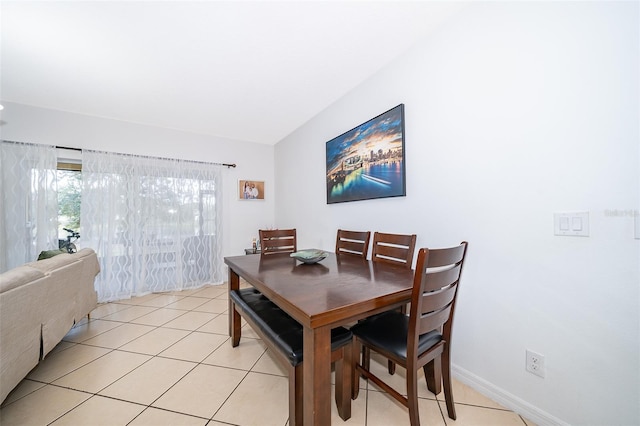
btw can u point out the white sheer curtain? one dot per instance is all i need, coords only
(28, 202)
(155, 223)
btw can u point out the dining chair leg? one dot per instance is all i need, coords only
(391, 366)
(412, 396)
(343, 383)
(356, 349)
(446, 378)
(366, 357)
(433, 374)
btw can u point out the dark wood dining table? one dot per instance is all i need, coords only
(336, 291)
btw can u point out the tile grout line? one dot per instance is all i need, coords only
(121, 377)
(190, 332)
(239, 383)
(231, 393)
(194, 367)
(113, 350)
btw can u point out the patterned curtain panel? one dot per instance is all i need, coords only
(155, 223)
(28, 202)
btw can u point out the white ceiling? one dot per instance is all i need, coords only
(242, 70)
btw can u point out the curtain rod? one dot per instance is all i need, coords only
(200, 162)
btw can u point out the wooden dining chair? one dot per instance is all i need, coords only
(396, 249)
(274, 241)
(353, 242)
(422, 339)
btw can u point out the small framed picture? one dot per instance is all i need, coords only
(251, 189)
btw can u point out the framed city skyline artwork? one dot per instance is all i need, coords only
(368, 161)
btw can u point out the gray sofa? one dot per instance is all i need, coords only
(39, 303)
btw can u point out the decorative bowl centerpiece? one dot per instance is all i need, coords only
(309, 256)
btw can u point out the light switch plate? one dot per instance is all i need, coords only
(573, 224)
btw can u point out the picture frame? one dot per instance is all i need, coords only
(250, 189)
(368, 161)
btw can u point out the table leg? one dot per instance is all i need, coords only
(317, 376)
(234, 317)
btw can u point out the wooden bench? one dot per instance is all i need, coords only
(284, 337)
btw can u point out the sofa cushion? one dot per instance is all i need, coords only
(84, 252)
(18, 276)
(53, 263)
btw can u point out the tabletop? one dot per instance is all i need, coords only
(326, 292)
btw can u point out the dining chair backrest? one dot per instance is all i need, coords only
(427, 331)
(353, 242)
(394, 248)
(274, 241)
(433, 297)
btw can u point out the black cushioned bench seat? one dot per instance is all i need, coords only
(284, 337)
(278, 326)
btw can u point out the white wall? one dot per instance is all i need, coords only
(242, 218)
(514, 111)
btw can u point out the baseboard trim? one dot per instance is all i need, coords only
(506, 399)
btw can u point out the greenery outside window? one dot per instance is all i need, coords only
(69, 178)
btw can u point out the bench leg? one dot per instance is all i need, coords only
(296, 415)
(234, 284)
(234, 317)
(236, 325)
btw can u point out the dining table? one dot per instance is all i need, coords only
(336, 291)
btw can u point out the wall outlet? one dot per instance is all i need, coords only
(535, 363)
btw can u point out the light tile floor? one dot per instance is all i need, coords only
(166, 359)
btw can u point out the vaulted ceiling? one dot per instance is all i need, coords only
(243, 70)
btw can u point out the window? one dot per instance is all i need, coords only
(69, 179)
